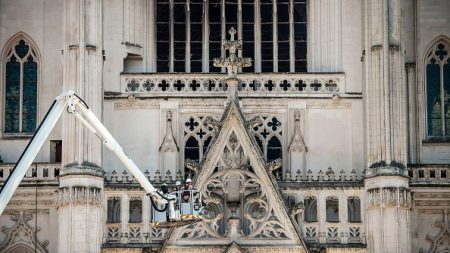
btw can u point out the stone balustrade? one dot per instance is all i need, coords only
(335, 233)
(252, 84)
(37, 172)
(429, 174)
(327, 176)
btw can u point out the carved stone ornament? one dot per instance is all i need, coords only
(297, 143)
(22, 237)
(389, 197)
(79, 195)
(168, 143)
(243, 205)
(441, 242)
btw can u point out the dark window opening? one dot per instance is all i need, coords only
(332, 210)
(354, 209)
(113, 210)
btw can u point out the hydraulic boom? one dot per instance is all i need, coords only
(77, 107)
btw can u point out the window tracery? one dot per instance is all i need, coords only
(20, 86)
(438, 90)
(198, 134)
(190, 33)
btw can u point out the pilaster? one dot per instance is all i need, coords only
(386, 183)
(81, 182)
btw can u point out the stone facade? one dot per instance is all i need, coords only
(337, 158)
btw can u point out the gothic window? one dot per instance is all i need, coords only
(438, 91)
(354, 209)
(113, 210)
(135, 210)
(332, 209)
(310, 209)
(190, 33)
(21, 83)
(197, 137)
(269, 136)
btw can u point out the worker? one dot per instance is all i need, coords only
(187, 188)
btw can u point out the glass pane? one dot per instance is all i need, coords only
(29, 96)
(162, 33)
(447, 97)
(12, 96)
(113, 211)
(433, 99)
(274, 149)
(22, 49)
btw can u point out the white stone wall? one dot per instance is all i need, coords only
(41, 20)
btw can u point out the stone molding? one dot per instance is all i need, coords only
(79, 195)
(389, 197)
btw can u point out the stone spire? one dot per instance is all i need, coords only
(232, 62)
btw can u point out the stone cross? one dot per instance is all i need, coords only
(232, 62)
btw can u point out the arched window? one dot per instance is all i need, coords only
(438, 90)
(310, 209)
(113, 210)
(332, 210)
(20, 64)
(135, 210)
(354, 209)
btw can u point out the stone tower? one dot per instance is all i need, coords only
(385, 118)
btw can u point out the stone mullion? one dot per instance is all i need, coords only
(257, 31)
(275, 35)
(188, 38)
(124, 217)
(146, 214)
(292, 36)
(205, 38)
(412, 112)
(171, 36)
(223, 28)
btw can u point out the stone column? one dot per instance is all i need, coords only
(386, 131)
(81, 220)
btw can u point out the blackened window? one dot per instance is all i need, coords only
(190, 34)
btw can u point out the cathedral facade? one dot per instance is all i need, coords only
(307, 125)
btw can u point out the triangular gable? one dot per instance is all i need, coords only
(279, 227)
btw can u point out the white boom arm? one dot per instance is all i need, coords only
(81, 111)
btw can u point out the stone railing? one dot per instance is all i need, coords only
(335, 234)
(37, 172)
(327, 176)
(429, 174)
(252, 84)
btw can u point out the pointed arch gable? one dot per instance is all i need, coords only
(30, 64)
(234, 127)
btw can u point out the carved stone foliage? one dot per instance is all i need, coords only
(235, 191)
(79, 195)
(440, 243)
(21, 237)
(389, 196)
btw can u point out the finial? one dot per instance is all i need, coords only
(232, 32)
(232, 62)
